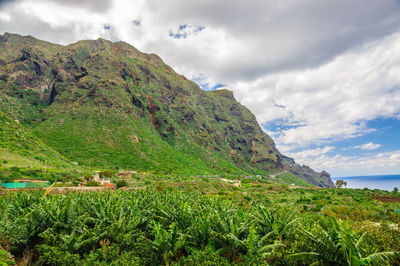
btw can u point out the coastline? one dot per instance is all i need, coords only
(382, 182)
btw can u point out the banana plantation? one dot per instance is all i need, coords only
(162, 227)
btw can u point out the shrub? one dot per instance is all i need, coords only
(122, 183)
(6, 258)
(105, 174)
(56, 256)
(88, 177)
(204, 257)
(92, 184)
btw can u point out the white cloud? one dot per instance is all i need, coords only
(368, 146)
(4, 16)
(311, 153)
(245, 39)
(339, 165)
(321, 68)
(333, 101)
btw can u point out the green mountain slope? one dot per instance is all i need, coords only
(106, 104)
(19, 147)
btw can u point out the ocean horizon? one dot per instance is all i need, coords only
(383, 182)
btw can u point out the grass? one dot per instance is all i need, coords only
(19, 147)
(10, 159)
(113, 140)
(290, 178)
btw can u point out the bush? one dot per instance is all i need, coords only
(105, 174)
(92, 184)
(6, 258)
(122, 183)
(204, 257)
(56, 256)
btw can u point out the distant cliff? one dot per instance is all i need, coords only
(322, 179)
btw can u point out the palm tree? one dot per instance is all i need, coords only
(341, 183)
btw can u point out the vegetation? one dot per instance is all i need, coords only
(19, 147)
(290, 178)
(206, 223)
(122, 183)
(340, 183)
(9, 174)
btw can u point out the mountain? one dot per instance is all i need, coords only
(106, 104)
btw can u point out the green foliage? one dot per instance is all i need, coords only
(340, 183)
(5, 258)
(336, 244)
(290, 178)
(153, 227)
(17, 142)
(105, 174)
(206, 257)
(52, 175)
(122, 183)
(92, 183)
(56, 256)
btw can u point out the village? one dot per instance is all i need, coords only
(99, 180)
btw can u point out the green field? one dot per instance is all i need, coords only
(166, 220)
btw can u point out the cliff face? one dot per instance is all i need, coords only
(107, 104)
(321, 179)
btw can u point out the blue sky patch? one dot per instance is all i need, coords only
(185, 30)
(205, 86)
(383, 139)
(280, 125)
(386, 133)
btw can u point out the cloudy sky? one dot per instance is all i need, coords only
(322, 77)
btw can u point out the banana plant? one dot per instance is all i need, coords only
(335, 244)
(169, 243)
(277, 222)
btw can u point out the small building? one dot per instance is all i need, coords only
(109, 185)
(96, 177)
(104, 181)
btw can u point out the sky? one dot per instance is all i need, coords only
(322, 77)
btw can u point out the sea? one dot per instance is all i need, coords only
(382, 182)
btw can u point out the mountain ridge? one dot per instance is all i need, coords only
(108, 104)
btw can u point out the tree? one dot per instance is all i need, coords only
(105, 174)
(88, 178)
(396, 189)
(341, 183)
